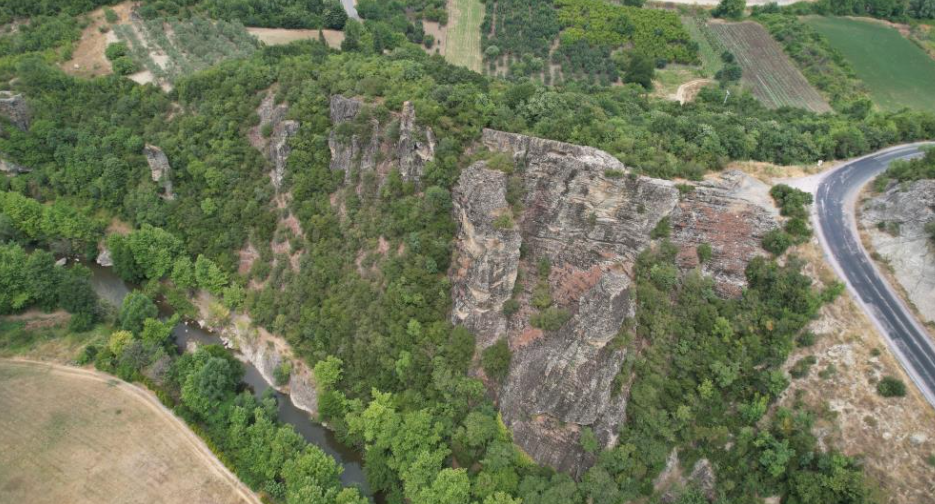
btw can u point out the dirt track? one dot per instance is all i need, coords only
(163, 460)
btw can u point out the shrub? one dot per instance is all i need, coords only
(550, 319)
(282, 373)
(110, 16)
(503, 222)
(777, 241)
(891, 387)
(116, 50)
(806, 339)
(510, 307)
(124, 65)
(704, 252)
(802, 366)
(662, 230)
(930, 229)
(495, 360)
(614, 174)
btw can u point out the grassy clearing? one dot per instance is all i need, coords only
(77, 436)
(44, 336)
(769, 73)
(281, 36)
(709, 47)
(464, 20)
(897, 72)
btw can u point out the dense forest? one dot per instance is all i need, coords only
(393, 373)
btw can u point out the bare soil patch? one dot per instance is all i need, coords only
(79, 436)
(88, 59)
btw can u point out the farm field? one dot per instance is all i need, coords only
(709, 48)
(78, 436)
(897, 72)
(769, 73)
(463, 33)
(281, 36)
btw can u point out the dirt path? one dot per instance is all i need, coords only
(688, 91)
(144, 397)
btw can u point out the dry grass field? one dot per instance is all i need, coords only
(769, 73)
(75, 436)
(281, 36)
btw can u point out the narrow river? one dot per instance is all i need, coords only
(112, 289)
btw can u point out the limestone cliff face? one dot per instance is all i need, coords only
(582, 213)
(14, 108)
(10, 168)
(904, 210)
(159, 168)
(360, 144)
(276, 147)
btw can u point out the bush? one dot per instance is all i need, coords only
(510, 307)
(891, 387)
(550, 319)
(704, 252)
(124, 65)
(802, 366)
(116, 50)
(495, 360)
(777, 241)
(282, 373)
(662, 230)
(110, 16)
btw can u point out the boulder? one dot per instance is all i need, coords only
(590, 218)
(104, 258)
(902, 211)
(14, 108)
(159, 168)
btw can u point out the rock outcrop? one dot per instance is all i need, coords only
(583, 214)
(895, 221)
(159, 168)
(360, 144)
(276, 147)
(10, 168)
(14, 108)
(267, 352)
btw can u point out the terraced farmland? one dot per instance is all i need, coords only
(769, 73)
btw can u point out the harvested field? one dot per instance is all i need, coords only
(280, 36)
(463, 33)
(769, 73)
(77, 436)
(897, 72)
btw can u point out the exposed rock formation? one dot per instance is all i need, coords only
(731, 214)
(159, 168)
(11, 168)
(590, 223)
(360, 144)
(14, 108)
(267, 352)
(276, 147)
(902, 211)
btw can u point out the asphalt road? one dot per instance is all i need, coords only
(834, 215)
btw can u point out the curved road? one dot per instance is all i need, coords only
(837, 231)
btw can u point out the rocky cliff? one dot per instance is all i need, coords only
(159, 168)
(580, 221)
(276, 146)
(360, 144)
(895, 221)
(14, 108)
(10, 168)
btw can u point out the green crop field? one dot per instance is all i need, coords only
(897, 72)
(464, 20)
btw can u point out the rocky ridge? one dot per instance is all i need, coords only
(360, 144)
(895, 221)
(586, 216)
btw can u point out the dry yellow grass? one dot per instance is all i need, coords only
(78, 436)
(280, 36)
(857, 420)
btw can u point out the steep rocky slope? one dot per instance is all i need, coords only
(580, 220)
(895, 221)
(361, 144)
(274, 141)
